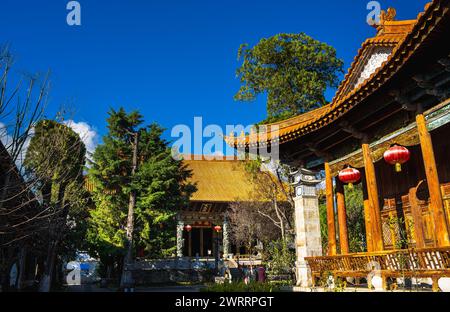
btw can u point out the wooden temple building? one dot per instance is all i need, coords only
(396, 93)
(219, 183)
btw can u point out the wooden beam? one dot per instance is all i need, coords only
(342, 217)
(330, 211)
(436, 202)
(373, 201)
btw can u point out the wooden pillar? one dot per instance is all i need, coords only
(367, 220)
(372, 193)
(190, 244)
(437, 205)
(201, 242)
(330, 211)
(416, 212)
(342, 217)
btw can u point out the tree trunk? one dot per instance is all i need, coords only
(22, 268)
(46, 279)
(5, 271)
(280, 218)
(127, 279)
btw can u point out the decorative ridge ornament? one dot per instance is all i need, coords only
(388, 16)
(349, 176)
(397, 155)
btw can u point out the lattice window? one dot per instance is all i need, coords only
(387, 234)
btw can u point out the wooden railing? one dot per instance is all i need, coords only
(426, 262)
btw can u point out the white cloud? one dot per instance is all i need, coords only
(87, 133)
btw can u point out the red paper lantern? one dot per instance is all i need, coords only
(349, 176)
(188, 228)
(217, 228)
(397, 155)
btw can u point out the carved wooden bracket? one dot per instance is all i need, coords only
(319, 153)
(430, 88)
(347, 127)
(403, 100)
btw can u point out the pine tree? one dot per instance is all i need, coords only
(159, 184)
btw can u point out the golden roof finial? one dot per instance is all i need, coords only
(388, 16)
(385, 17)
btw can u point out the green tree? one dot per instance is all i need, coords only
(159, 184)
(355, 219)
(294, 70)
(55, 161)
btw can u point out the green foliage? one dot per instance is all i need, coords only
(77, 219)
(402, 227)
(281, 259)
(355, 218)
(242, 287)
(55, 159)
(159, 182)
(330, 283)
(294, 70)
(323, 223)
(56, 154)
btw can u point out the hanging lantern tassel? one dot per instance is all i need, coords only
(397, 155)
(349, 176)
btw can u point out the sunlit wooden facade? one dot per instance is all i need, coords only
(219, 182)
(397, 91)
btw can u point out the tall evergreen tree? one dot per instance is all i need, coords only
(294, 70)
(159, 184)
(54, 161)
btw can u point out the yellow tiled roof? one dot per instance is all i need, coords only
(220, 180)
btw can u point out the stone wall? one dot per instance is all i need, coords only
(176, 270)
(168, 276)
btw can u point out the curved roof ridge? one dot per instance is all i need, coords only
(343, 103)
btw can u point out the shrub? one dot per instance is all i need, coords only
(281, 259)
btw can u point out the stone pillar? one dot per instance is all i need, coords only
(307, 223)
(180, 239)
(226, 238)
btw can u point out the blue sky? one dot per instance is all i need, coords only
(172, 60)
